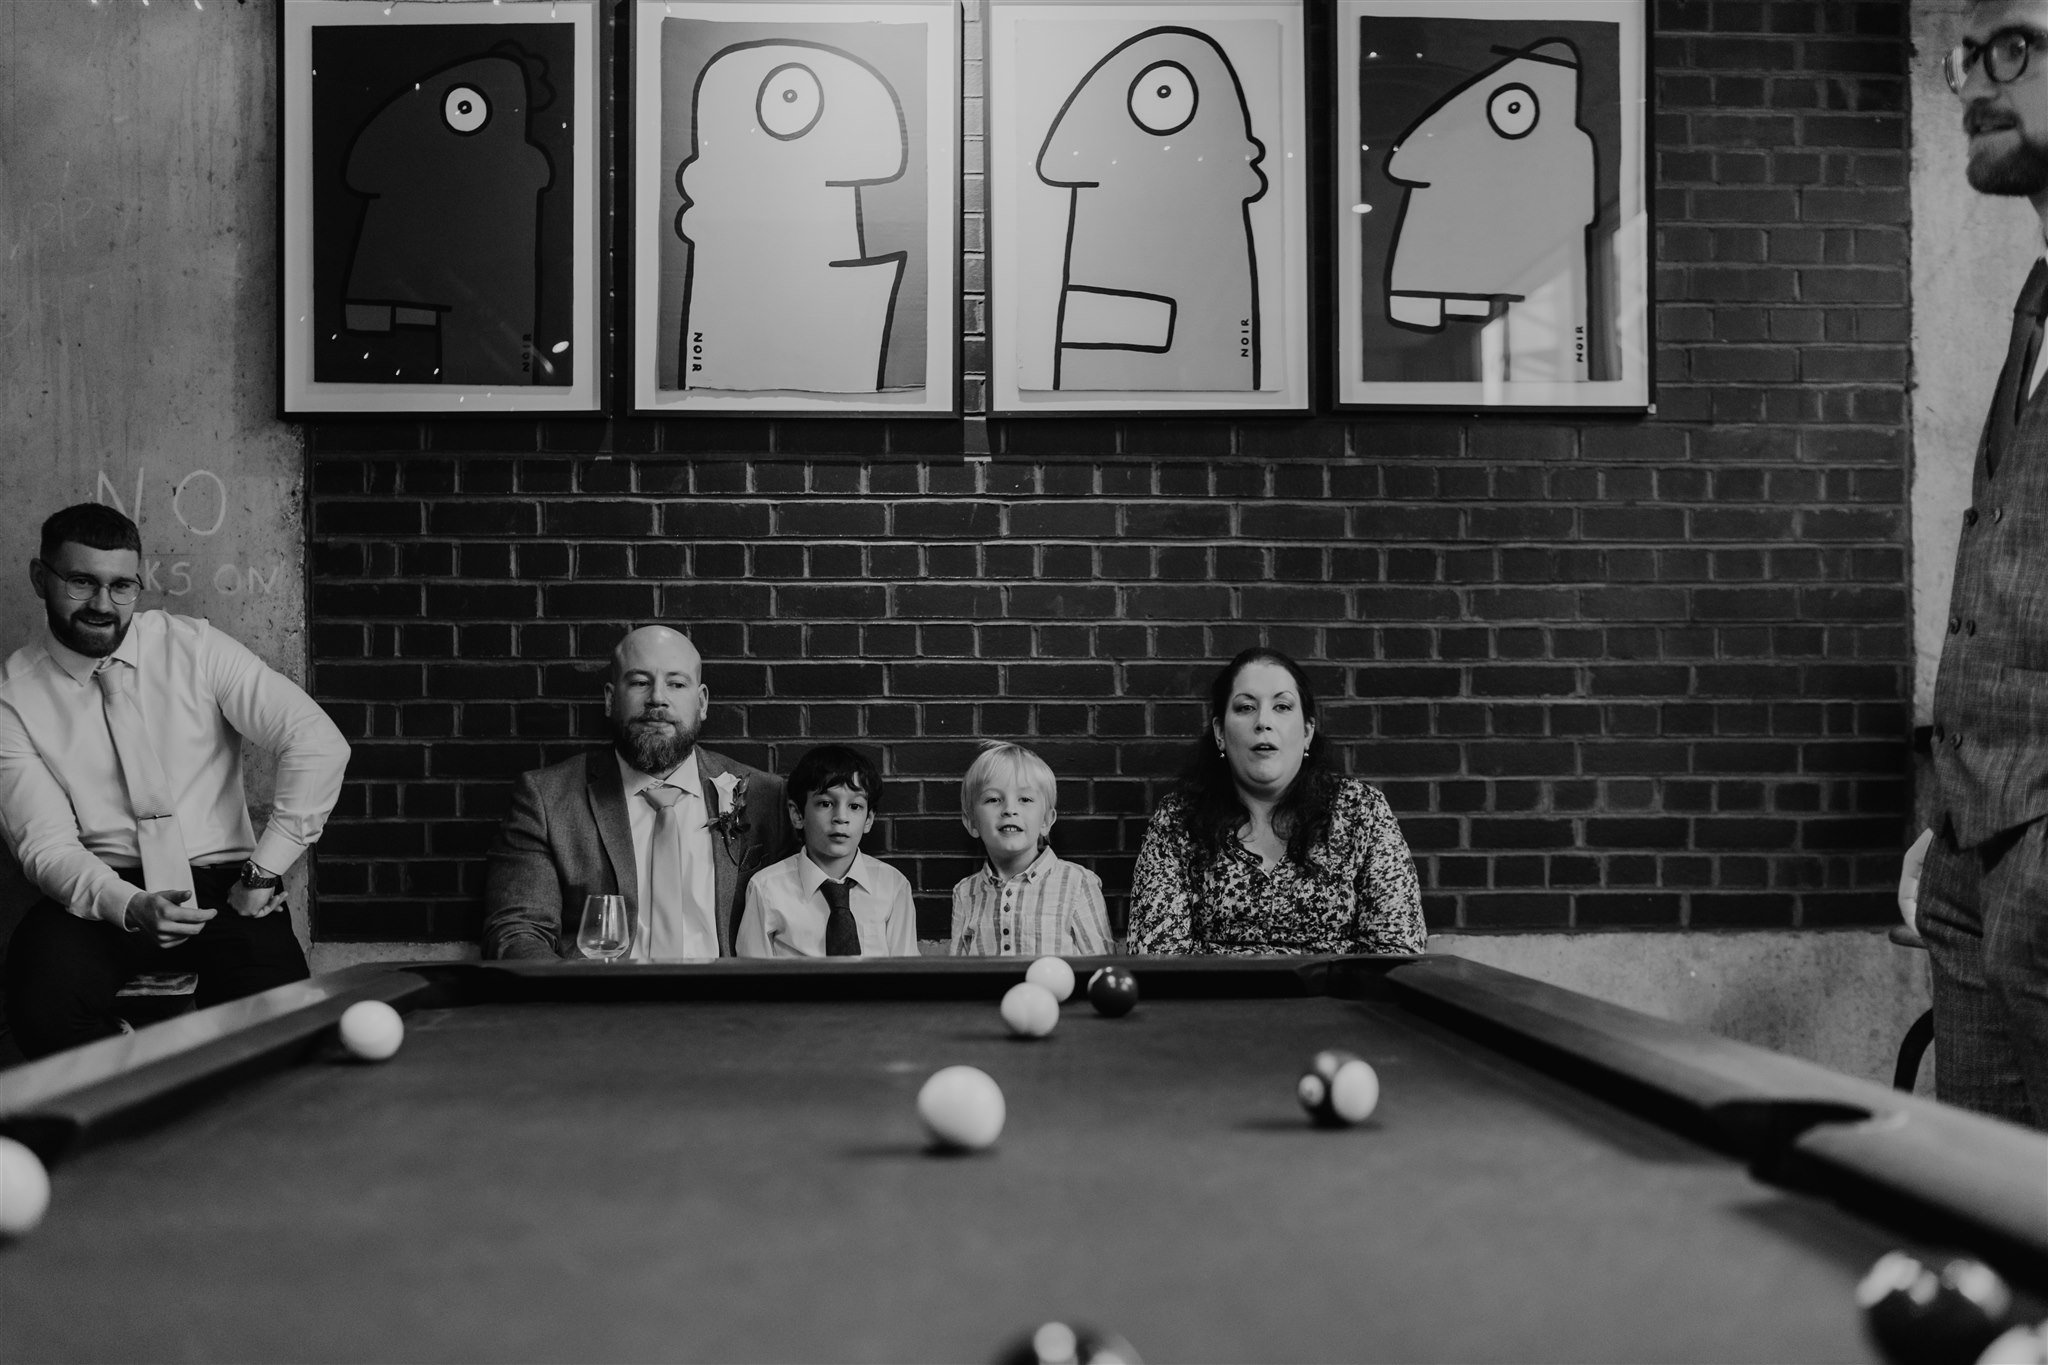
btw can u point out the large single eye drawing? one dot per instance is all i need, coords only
(465, 109)
(1512, 110)
(1163, 98)
(790, 101)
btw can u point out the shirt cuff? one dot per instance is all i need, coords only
(276, 852)
(110, 901)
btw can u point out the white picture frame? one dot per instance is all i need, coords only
(1447, 296)
(1170, 272)
(845, 295)
(498, 311)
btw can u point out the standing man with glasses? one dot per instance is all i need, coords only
(121, 794)
(1982, 866)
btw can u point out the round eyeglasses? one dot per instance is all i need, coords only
(83, 587)
(2004, 55)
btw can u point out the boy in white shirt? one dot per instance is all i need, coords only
(829, 899)
(1026, 901)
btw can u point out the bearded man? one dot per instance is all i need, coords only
(121, 794)
(1982, 865)
(674, 829)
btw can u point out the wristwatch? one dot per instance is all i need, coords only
(256, 879)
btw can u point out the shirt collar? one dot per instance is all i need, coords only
(683, 775)
(81, 667)
(810, 876)
(1040, 865)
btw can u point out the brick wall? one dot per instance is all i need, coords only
(1611, 673)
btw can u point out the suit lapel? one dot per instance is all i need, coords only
(725, 872)
(607, 795)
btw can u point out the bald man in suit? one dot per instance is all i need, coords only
(674, 828)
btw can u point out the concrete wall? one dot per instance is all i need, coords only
(137, 297)
(1843, 998)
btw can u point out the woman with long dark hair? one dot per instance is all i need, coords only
(1263, 848)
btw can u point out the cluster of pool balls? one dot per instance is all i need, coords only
(1959, 1310)
(369, 1031)
(962, 1106)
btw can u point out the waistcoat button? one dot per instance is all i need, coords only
(1970, 627)
(1969, 516)
(1955, 623)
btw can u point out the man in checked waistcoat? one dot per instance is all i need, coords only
(1982, 902)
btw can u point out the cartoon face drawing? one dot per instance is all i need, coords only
(1160, 286)
(1501, 181)
(449, 238)
(781, 291)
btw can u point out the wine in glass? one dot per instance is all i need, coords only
(606, 932)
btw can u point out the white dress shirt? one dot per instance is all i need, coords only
(786, 912)
(63, 807)
(693, 828)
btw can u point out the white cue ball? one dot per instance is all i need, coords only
(1054, 974)
(1030, 1010)
(962, 1108)
(371, 1030)
(2019, 1346)
(24, 1189)
(1355, 1091)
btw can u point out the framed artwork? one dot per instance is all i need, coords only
(440, 211)
(796, 210)
(1493, 238)
(1147, 175)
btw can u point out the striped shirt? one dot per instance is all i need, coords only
(1052, 906)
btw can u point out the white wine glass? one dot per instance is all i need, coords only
(607, 931)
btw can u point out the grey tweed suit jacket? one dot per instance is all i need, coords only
(1991, 692)
(568, 836)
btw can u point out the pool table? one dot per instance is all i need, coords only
(587, 1161)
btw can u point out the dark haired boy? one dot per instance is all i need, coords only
(829, 899)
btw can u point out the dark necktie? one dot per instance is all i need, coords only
(842, 939)
(2020, 355)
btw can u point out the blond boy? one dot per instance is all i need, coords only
(1026, 901)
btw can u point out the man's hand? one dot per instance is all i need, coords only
(254, 902)
(1909, 880)
(166, 915)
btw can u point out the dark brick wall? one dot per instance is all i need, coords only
(1611, 673)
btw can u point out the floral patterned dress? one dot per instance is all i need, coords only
(1357, 893)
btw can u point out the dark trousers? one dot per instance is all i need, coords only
(1984, 914)
(62, 971)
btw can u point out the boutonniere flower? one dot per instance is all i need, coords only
(731, 817)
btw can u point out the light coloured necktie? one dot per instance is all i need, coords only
(662, 916)
(165, 866)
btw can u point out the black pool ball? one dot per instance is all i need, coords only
(1057, 1343)
(1113, 991)
(1338, 1088)
(1919, 1315)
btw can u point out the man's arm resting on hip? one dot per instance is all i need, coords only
(265, 706)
